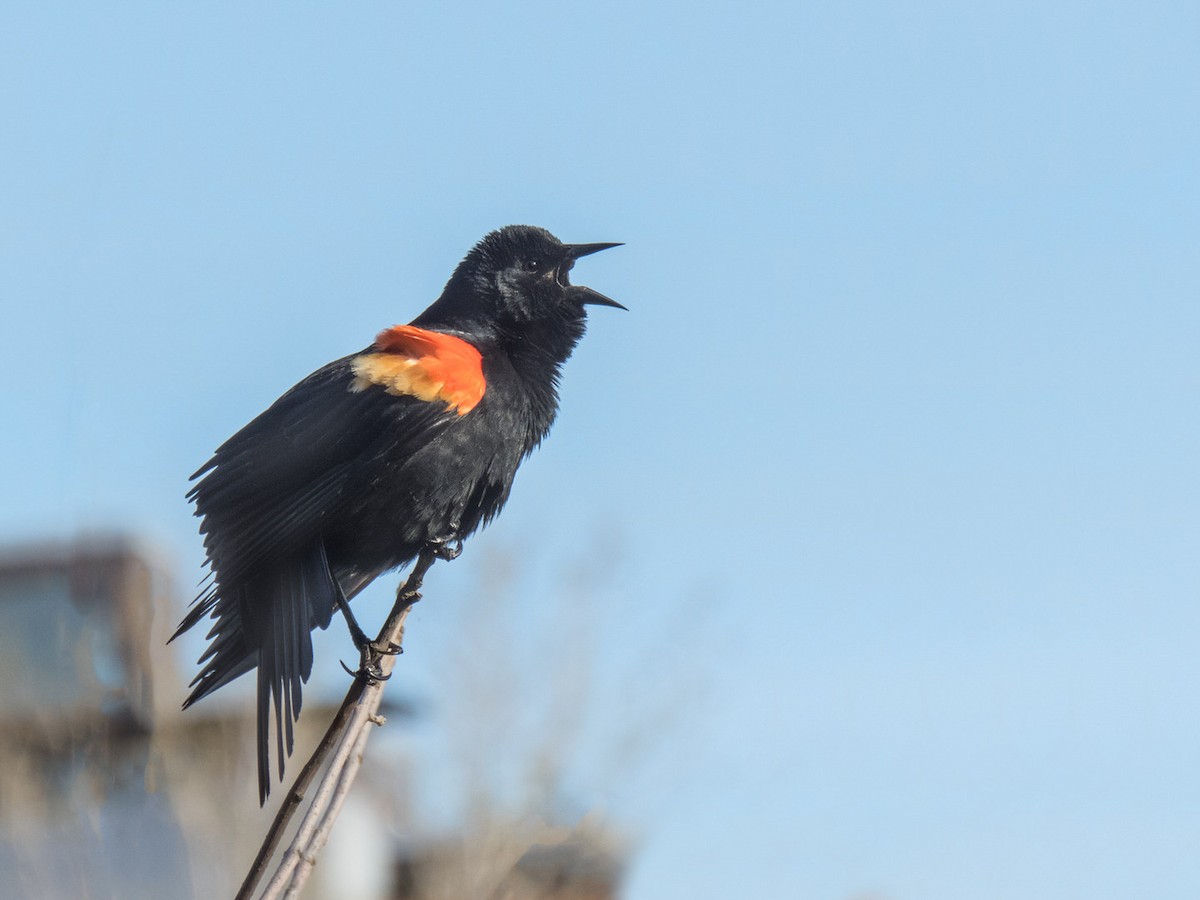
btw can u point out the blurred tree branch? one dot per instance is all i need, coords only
(343, 744)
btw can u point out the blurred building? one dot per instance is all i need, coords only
(73, 654)
(513, 861)
(77, 710)
(107, 790)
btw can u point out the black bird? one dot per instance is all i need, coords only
(409, 444)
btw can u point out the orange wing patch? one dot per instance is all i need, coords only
(428, 365)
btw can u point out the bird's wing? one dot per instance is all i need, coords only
(267, 492)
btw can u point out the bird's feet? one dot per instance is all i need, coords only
(370, 666)
(446, 548)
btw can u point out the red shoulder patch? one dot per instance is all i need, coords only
(424, 364)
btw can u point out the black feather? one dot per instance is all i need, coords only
(335, 484)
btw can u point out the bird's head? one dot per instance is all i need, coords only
(518, 278)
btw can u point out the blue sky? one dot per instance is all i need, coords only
(903, 413)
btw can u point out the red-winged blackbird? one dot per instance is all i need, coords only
(409, 444)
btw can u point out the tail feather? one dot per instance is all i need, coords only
(300, 599)
(267, 622)
(264, 724)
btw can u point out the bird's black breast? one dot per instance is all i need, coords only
(396, 503)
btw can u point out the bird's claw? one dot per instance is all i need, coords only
(370, 667)
(372, 651)
(446, 549)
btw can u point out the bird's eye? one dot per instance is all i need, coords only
(531, 265)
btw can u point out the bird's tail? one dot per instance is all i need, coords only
(267, 623)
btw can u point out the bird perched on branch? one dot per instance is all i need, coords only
(408, 445)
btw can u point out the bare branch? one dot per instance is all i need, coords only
(344, 743)
(314, 844)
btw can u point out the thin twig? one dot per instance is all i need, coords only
(289, 866)
(295, 796)
(345, 739)
(314, 845)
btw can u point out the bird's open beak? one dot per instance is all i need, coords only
(575, 251)
(586, 295)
